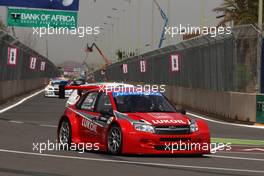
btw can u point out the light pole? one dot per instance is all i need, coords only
(129, 23)
(202, 4)
(259, 57)
(111, 39)
(138, 27)
(152, 25)
(47, 48)
(169, 21)
(104, 41)
(117, 30)
(120, 32)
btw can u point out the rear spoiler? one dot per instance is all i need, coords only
(62, 89)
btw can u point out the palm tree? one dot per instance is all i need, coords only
(238, 11)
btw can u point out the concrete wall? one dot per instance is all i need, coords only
(228, 105)
(13, 88)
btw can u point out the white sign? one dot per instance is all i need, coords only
(175, 63)
(42, 66)
(143, 66)
(33, 62)
(125, 68)
(12, 56)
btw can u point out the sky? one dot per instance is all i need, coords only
(132, 27)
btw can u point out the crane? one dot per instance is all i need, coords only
(106, 60)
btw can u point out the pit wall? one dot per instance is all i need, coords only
(13, 88)
(227, 105)
(233, 106)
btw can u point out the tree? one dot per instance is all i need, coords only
(238, 11)
(121, 55)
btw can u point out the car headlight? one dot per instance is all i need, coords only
(144, 127)
(193, 126)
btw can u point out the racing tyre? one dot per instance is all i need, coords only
(65, 134)
(114, 140)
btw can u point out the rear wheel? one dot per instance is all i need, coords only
(65, 132)
(114, 140)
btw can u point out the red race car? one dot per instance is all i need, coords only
(130, 122)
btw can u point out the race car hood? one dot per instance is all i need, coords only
(161, 119)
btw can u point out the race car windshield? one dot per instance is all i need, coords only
(59, 83)
(141, 102)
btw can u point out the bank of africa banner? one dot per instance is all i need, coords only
(72, 5)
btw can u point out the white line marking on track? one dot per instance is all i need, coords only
(50, 126)
(213, 150)
(235, 157)
(133, 162)
(13, 121)
(225, 123)
(253, 149)
(20, 102)
(241, 152)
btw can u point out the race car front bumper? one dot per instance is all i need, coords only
(148, 143)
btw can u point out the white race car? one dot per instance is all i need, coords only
(52, 90)
(74, 97)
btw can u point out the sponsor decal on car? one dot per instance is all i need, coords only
(169, 121)
(89, 125)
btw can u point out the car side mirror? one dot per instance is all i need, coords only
(180, 109)
(61, 91)
(183, 112)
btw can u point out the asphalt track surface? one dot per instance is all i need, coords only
(35, 121)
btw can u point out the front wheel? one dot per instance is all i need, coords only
(114, 140)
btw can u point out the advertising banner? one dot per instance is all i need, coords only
(143, 65)
(125, 68)
(41, 18)
(12, 56)
(43, 66)
(260, 109)
(43, 4)
(174, 63)
(33, 62)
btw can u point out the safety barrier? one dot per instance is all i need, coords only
(21, 68)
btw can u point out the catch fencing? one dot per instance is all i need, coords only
(223, 63)
(21, 69)
(19, 72)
